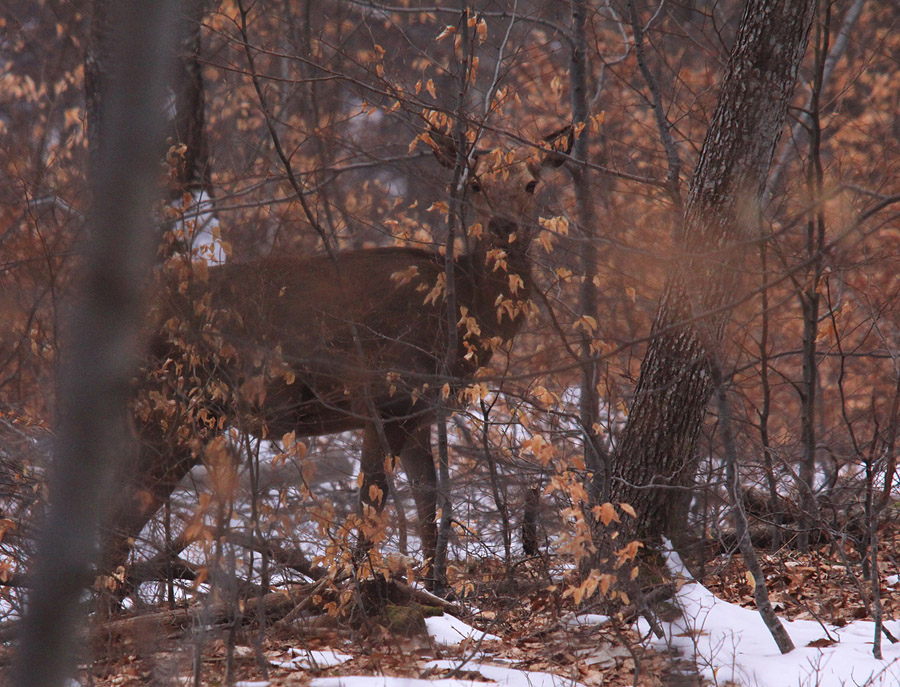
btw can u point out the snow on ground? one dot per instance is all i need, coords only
(449, 631)
(297, 659)
(445, 630)
(731, 644)
(585, 620)
(495, 675)
(385, 681)
(507, 677)
(490, 675)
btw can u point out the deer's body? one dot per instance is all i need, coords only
(356, 333)
(320, 345)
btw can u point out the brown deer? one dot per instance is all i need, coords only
(319, 345)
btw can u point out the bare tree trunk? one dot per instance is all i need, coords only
(499, 494)
(654, 464)
(595, 454)
(739, 515)
(189, 117)
(98, 65)
(100, 360)
(456, 228)
(764, 412)
(810, 298)
(789, 149)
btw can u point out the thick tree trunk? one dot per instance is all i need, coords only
(98, 63)
(187, 122)
(100, 358)
(654, 464)
(188, 116)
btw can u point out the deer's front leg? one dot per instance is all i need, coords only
(374, 489)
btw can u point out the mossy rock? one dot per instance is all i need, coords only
(405, 621)
(408, 620)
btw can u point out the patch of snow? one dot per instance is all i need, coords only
(496, 675)
(507, 677)
(585, 620)
(202, 230)
(447, 630)
(383, 681)
(731, 644)
(252, 683)
(301, 659)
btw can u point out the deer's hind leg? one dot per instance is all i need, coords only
(412, 443)
(418, 463)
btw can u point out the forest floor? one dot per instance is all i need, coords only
(535, 637)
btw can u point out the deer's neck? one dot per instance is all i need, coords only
(496, 281)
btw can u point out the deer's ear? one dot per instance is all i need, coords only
(443, 147)
(560, 145)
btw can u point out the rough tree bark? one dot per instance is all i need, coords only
(187, 123)
(189, 102)
(654, 464)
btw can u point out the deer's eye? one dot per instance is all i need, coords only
(475, 187)
(530, 186)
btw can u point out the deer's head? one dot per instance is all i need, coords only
(502, 184)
